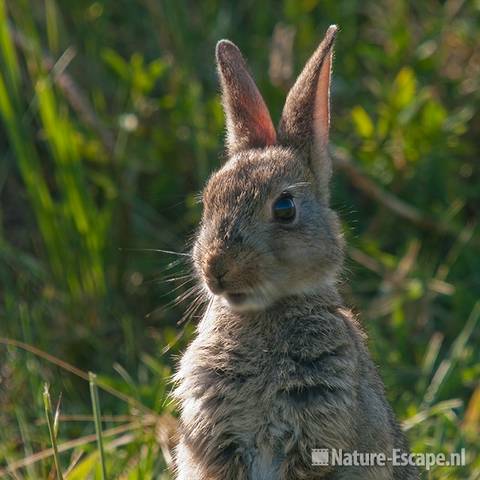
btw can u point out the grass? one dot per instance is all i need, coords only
(52, 422)
(142, 422)
(98, 422)
(111, 124)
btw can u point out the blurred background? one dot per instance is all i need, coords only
(110, 124)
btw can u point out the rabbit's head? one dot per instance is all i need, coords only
(267, 230)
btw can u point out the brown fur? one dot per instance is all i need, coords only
(278, 366)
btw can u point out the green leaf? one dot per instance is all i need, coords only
(404, 88)
(116, 63)
(363, 123)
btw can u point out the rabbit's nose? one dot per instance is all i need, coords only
(215, 271)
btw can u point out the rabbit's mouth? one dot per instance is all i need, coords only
(236, 298)
(244, 301)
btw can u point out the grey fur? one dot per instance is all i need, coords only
(284, 369)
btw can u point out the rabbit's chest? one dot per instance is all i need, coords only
(256, 423)
(257, 394)
(259, 414)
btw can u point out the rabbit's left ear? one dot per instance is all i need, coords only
(305, 118)
(248, 120)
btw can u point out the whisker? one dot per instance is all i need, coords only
(171, 278)
(182, 297)
(176, 288)
(294, 186)
(173, 264)
(175, 279)
(177, 338)
(157, 250)
(187, 318)
(193, 308)
(159, 278)
(198, 197)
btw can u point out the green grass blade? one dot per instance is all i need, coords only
(8, 52)
(98, 421)
(51, 22)
(52, 428)
(446, 366)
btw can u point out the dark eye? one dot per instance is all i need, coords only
(284, 209)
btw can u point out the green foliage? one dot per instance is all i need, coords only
(111, 123)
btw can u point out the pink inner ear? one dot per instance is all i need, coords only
(257, 120)
(321, 112)
(248, 121)
(265, 128)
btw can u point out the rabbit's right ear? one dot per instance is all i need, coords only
(305, 119)
(248, 121)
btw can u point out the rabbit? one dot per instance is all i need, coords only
(279, 366)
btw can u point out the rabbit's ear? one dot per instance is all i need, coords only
(306, 116)
(248, 121)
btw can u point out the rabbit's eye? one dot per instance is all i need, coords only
(284, 209)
